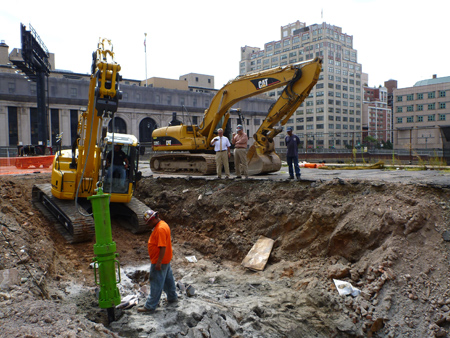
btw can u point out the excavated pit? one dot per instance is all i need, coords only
(386, 239)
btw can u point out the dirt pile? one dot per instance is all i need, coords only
(385, 239)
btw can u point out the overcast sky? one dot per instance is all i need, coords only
(395, 39)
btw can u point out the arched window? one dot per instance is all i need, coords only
(119, 125)
(146, 128)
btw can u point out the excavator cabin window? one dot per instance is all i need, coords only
(118, 165)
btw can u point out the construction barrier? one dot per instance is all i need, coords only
(25, 164)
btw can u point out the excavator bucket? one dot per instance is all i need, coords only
(259, 163)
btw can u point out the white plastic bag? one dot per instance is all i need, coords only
(345, 288)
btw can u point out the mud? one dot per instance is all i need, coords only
(386, 239)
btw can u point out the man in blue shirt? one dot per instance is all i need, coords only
(292, 141)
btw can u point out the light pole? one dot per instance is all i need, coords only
(145, 50)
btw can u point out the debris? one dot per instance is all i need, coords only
(128, 302)
(258, 255)
(345, 288)
(191, 259)
(190, 291)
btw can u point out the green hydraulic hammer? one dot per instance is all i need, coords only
(105, 251)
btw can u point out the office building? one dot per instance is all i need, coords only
(376, 118)
(332, 114)
(422, 114)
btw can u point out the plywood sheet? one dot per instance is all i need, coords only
(258, 255)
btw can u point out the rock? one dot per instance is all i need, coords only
(9, 278)
(338, 271)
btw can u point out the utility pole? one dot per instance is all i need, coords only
(145, 50)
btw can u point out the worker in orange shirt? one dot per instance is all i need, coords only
(160, 252)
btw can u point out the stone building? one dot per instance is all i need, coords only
(142, 109)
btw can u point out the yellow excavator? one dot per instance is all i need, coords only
(77, 172)
(189, 145)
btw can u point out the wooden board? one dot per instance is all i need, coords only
(258, 255)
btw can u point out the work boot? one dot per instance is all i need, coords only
(298, 178)
(145, 310)
(291, 177)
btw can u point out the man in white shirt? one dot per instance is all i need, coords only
(222, 148)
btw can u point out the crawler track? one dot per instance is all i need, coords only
(196, 164)
(75, 227)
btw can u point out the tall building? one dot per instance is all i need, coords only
(376, 119)
(422, 113)
(331, 115)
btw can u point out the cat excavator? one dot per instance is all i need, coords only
(188, 148)
(77, 172)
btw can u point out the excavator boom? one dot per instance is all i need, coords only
(261, 156)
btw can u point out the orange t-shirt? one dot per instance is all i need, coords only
(160, 237)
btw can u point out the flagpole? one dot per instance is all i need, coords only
(145, 49)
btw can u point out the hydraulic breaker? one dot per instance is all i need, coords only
(105, 250)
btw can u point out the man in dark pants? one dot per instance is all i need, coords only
(292, 141)
(160, 252)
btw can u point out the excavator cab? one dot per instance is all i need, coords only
(122, 174)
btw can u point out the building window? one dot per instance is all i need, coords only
(420, 107)
(11, 87)
(419, 118)
(257, 122)
(410, 108)
(431, 95)
(431, 118)
(194, 102)
(431, 106)
(419, 96)
(399, 109)
(399, 98)
(169, 99)
(409, 97)
(442, 93)
(73, 92)
(319, 126)
(441, 117)
(442, 105)
(33, 88)
(410, 119)
(13, 126)
(399, 119)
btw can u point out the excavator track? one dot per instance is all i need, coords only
(131, 215)
(194, 164)
(73, 226)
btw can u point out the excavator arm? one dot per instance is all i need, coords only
(279, 113)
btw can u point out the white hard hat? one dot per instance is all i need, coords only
(149, 214)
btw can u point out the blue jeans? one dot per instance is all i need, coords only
(117, 169)
(293, 161)
(159, 281)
